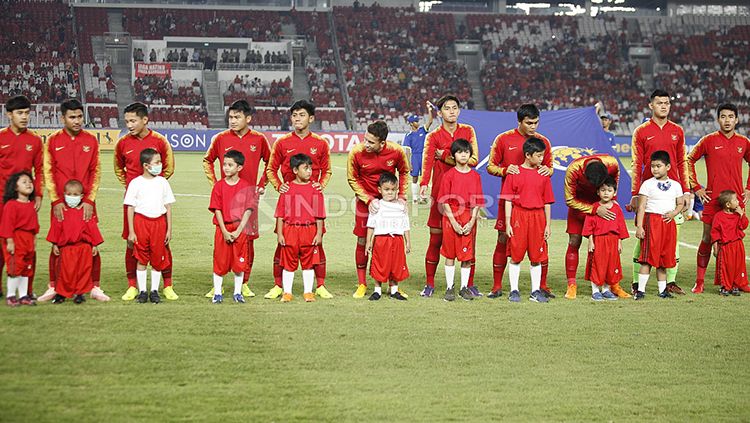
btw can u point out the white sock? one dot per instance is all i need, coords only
(465, 273)
(605, 288)
(690, 207)
(238, 279)
(13, 283)
(514, 273)
(155, 279)
(414, 191)
(378, 289)
(450, 272)
(394, 289)
(662, 285)
(308, 277)
(287, 280)
(141, 276)
(642, 280)
(594, 288)
(218, 281)
(536, 277)
(23, 287)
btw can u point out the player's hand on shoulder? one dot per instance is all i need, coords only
(374, 206)
(544, 171)
(57, 211)
(317, 186)
(283, 188)
(512, 170)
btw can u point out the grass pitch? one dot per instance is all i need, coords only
(353, 360)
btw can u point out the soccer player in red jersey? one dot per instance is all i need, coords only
(366, 162)
(727, 231)
(506, 155)
(659, 133)
(72, 154)
(724, 151)
(254, 147)
(21, 150)
(301, 140)
(127, 160)
(582, 178)
(437, 160)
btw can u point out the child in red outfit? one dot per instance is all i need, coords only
(299, 226)
(603, 267)
(727, 232)
(18, 228)
(74, 240)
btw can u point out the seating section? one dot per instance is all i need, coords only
(103, 115)
(243, 87)
(100, 88)
(155, 24)
(178, 116)
(165, 91)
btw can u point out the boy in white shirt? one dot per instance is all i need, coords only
(149, 199)
(655, 225)
(388, 239)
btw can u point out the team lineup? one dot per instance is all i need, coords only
(440, 170)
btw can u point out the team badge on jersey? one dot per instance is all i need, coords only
(253, 148)
(313, 151)
(86, 148)
(739, 150)
(390, 163)
(28, 147)
(674, 137)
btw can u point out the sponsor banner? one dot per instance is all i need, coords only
(162, 70)
(107, 137)
(200, 139)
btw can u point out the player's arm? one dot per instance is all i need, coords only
(636, 154)
(167, 159)
(274, 163)
(131, 227)
(325, 166)
(119, 162)
(49, 180)
(318, 232)
(695, 154)
(428, 124)
(209, 159)
(280, 231)
(95, 175)
(38, 163)
(368, 242)
(243, 223)
(682, 167)
(747, 159)
(496, 157)
(572, 175)
(168, 237)
(353, 176)
(265, 155)
(640, 215)
(428, 160)
(403, 174)
(547, 159)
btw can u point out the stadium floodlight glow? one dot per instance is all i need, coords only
(597, 1)
(615, 9)
(205, 44)
(117, 40)
(526, 7)
(426, 6)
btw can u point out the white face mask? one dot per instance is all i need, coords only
(155, 170)
(72, 200)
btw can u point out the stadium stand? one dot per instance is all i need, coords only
(243, 87)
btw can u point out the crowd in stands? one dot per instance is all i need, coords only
(255, 56)
(156, 90)
(186, 117)
(159, 23)
(100, 84)
(243, 87)
(41, 82)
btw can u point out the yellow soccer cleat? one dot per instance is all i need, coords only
(361, 291)
(403, 294)
(246, 292)
(286, 298)
(274, 293)
(210, 294)
(619, 291)
(170, 294)
(571, 292)
(130, 294)
(322, 292)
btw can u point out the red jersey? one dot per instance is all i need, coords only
(232, 200)
(22, 152)
(595, 225)
(723, 162)
(18, 216)
(728, 227)
(441, 139)
(647, 139)
(580, 194)
(69, 157)
(253, 145)
(461, 191)
(287, 146)
(528, 189)
(73, 229)
(128, 156)
(301, 205)
(363, 170)
(507, 149)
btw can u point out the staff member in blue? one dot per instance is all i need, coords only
(415, 141)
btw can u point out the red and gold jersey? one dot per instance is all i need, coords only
(69, 157)
(287, 146)
(580, 194)
(723, 162)
(441, 139)
(507, 149)
(253, 145)
(128, 156)
(22, 152)
(647, 139)
(595, 225)
(363, 170)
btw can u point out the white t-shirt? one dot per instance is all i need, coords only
(149, 196)
(391, 219)
(662, 195)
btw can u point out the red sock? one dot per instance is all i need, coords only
(166, 274)
(704, 256)
(130, 264)
(360, 258)
(499, 261)
(571, 264)
(471, 273)
(277, 269)
(96, 270)
(53, 260)
(250, 259)
(320, 269)
(545, 268)
(432, 257)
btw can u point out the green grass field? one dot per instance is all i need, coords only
(352, 360)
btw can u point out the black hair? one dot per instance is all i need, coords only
(147, 155)
(662, 156)
(74, 182)
(608, 182)
(387, 178)
(235, 155)
(727, 106)
(11, 191)
(595, 172)
(725, 197)
(378, 128)
(459, 146)
(70, 104)
(17, 103)
(658, 93)
(533, 145)
(140, 109)
(307, 105)
(241, 106)
(446, 98)
(527, 111)
(299, 159)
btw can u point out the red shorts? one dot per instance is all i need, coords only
(230, 257)
(361, 212)
(455, 246)
(500, 222)
(388, 259)
(74, 270)
(528, 235)
(731, 269)
(603, 264)
(660, 243)
(21, 263)
(435, 220)
(150, 247)
(575, 222)
(299, 251)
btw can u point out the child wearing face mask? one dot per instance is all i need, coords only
(75, 242)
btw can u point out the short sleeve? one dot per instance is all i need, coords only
(549, 196)
(319, 204)
(131, 194)
(645, 188)
(508, 191)
(280, 208)
(622, 227)
(589, 225)
(372, 219)
(478, 199)
(216, 197)
(445, 188)
(168, 196)
(716, 229)
(678, 189)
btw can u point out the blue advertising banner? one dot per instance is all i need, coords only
(573, 133)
